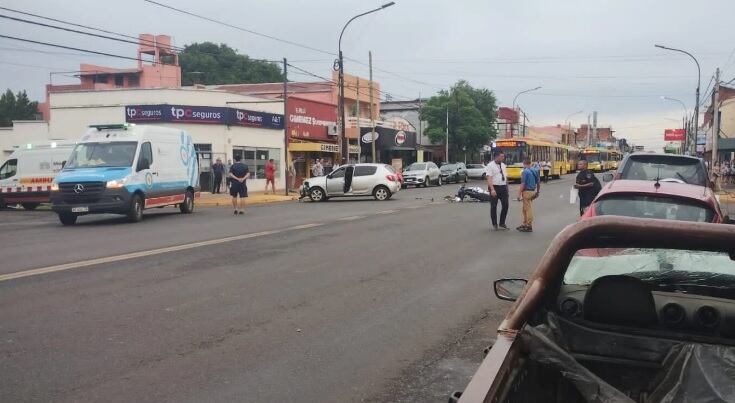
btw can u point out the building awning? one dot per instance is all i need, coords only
(726, 144)
(314, 147)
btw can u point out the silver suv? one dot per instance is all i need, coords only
(379, 180)
(422, 174)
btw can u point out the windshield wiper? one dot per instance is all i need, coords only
(681, 177)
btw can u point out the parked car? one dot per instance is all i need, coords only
(652, 166)
(422, 174)
(619, 309)
(379, 180)
(454, 173)
(476, 171)
(668, 199)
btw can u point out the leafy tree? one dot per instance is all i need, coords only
(209, 63)
(16, 107)
(472, 114)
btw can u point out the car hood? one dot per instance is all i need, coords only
(415, 173)
(317, 181)
(92, 174)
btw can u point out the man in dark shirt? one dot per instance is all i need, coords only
(218, 169)
(588, 185)
(239, 173)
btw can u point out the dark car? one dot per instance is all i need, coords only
(454, 172)
(618, 310)
(652, 167)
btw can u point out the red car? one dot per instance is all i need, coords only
(667, 199)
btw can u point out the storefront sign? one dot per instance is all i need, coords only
(354, 149)
(674, 135)
(388, 139)
(310, 119)
(202, 115)
(329, 148)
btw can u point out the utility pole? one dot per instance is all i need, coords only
(285, 123)
(357, 106)
(589, 131)
(715, 117)
(446, 142)
(594, 128)
(372, 116)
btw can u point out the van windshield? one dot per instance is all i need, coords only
(96, 155)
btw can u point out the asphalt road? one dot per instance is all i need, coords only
(341, 301)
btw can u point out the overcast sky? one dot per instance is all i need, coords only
(587, 55)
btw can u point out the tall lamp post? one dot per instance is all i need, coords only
(696, 101)
(519, 94)
(344, 147)
(569, 126)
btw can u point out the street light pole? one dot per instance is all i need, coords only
(686, 116)
(696, 102)
(516, 98)
(344, 147)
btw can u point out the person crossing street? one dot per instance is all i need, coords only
(588, 184)
(497, 184)
(528, 192)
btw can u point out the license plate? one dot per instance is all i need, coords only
(83, 209)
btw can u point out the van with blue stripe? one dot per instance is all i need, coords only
(125, 169)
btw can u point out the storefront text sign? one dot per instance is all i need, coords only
(202, 115)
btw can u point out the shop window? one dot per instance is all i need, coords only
(256, 158)
(100, 79)
(133, 81)
(119, 80)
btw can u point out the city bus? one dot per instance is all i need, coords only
(614, 157)
(572, 158)
(516, 150)
(597, 158)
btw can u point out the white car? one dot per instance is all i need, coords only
(422, 174)
(476, 171)
(379, 180)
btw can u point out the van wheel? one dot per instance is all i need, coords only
(317, 194)
(135, 214)
(187, 206)
(381, 193)
(30, 206)
(68, 218)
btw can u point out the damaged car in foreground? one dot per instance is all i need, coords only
(619, 310)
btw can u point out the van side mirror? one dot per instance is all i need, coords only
(509, 289)
(143, 164)
(608, 177)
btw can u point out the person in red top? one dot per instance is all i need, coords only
(270, 174)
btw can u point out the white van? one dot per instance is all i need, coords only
(124, 169)
(26, 176)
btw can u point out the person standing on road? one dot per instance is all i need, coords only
(547, 168)
(497, 183)
(238, 175)
(529, 190)
(218, 169)
(588, 185)
(270, 175)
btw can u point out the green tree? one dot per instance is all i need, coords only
(209, 63)
(472, 114)
(16, 107)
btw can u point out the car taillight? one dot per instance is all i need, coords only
(391, 178)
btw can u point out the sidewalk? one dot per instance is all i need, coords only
(213, 200)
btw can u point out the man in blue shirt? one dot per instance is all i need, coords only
(529, 190)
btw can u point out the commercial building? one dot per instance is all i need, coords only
(222, 124)
(507, 122)
(405, 115)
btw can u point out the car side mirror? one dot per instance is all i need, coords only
(509, 289)
(726, 220)
(608, 177)
(143, 164)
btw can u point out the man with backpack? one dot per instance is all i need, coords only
(588, 184)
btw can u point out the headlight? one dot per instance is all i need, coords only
(54, 187)
(115, 184)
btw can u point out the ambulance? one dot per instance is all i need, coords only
(125, 169)
(26, 176)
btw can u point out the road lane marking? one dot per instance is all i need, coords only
(351, 218)
(387, 212)
(414, 207)
(146, 253)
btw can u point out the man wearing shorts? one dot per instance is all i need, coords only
(270, 175)
(238, 175)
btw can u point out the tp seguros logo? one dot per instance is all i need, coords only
(143, 114)
(400, 137)
(191, 114)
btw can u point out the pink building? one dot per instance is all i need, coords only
(158, 67)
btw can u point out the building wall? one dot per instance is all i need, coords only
(727, 118)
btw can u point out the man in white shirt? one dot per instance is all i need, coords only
(497, 184)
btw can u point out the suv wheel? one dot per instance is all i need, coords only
(426, 182)
(465, 178)
(67, 218)
(381, 193)
(317, 194)
(439, 181)
(135, 214)
(30, 206)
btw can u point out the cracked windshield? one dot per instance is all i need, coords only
(342, 200)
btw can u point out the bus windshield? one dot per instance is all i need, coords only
(96, 155)
(592, 157)
(514, 155)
